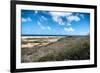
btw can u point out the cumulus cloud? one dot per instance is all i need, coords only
(41, 26)
(58, 20)
(73, 18)
(28, 19)
(59, 14)
(56, 16)
(70, 29)
(62, 18)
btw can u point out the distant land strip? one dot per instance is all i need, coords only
(52, 35)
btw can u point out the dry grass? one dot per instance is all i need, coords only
(68, 48)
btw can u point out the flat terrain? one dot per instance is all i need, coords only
(40, 49)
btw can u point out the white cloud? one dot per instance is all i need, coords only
(48, 27)
(24, 20)
(59, 14)
(73, 18)
(28, 19)
(56, 16)
(58, 20)
(81, 15)
(43, 17)
(41, 26)
(70, 29)
(69, 24)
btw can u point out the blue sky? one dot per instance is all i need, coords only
(54, 23)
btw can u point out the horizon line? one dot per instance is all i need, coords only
(55, 35)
